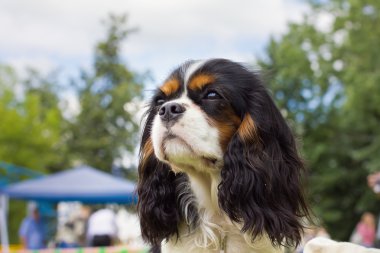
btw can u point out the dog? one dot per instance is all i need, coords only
(219, 169)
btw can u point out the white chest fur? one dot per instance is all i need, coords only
(230, 241)
(215, 231)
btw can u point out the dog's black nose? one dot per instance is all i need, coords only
(171, 111)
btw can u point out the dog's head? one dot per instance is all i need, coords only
(215, 116)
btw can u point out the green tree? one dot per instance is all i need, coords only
(28, 127)
(105, 128)
(327, 82)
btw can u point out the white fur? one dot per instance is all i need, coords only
(235, 242)
(324, 245)
(201, 138)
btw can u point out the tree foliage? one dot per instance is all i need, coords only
(326, 79)
(105, 127)
(30, 123)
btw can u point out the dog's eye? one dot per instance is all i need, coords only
(212, 95)
(160, 101)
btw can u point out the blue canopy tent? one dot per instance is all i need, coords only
(83, 183)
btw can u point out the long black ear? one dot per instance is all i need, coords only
(261, 184)
(157, 208)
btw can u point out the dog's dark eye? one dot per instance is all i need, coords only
(212, 95)
(160, 101)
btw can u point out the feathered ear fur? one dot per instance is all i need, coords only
(261, 178)
(157, 208)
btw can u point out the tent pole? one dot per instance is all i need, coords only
(3, 223)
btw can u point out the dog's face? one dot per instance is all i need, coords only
(196, 113)
(216, 117)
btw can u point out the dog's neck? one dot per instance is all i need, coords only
(204, 180)
(212, 223)
(205, 188)
(214, 229)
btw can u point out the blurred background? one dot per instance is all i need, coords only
(74, 76)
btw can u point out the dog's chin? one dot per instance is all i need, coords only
(178, 153)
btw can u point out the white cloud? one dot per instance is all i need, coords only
(64, 32)
(41, 63)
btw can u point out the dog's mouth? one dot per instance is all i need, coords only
(209, 161)
(168, 136)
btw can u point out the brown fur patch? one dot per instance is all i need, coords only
(201, 80)
(170, 87)
(146, 152)
(248, 131)
(226, 128)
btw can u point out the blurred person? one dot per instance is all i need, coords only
(129, 232)
(66, 237)
(373, 181)
(365, 231)
(81, 224)
(32, 229)
(73, 232)
(102, 228)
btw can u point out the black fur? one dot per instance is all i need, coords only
(155, 249)
(261, 179)
(157, 206)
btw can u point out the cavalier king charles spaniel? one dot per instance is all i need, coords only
(219, 169)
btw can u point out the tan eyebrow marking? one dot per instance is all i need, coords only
(170, 86)
(201, 80)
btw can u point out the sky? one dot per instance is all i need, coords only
(56, 34)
